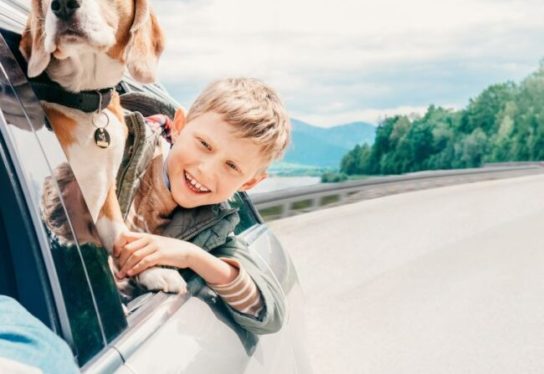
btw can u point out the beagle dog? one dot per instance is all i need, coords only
(77, 52)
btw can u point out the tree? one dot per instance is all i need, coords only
(504, 123)
(482, 111)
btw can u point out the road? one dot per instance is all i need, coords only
(447, 280)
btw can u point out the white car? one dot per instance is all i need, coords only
(71, 288)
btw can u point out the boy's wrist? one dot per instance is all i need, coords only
(190, 256)
(212, 269)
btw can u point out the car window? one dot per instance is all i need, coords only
(78, 269)
(246, 211)
(7, 278)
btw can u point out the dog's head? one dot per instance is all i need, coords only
(60, 33)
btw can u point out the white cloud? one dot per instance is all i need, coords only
(372, 115)
(332, 60)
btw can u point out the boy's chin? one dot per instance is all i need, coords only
(184, 203)
(188, 203)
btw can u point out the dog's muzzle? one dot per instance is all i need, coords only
(65, 9)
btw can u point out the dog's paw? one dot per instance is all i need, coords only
(162, 279)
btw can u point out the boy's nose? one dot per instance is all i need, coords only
(206, 170)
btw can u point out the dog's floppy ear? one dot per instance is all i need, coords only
(146, 43)
(32, 47)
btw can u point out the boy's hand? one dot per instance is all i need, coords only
(136, 252)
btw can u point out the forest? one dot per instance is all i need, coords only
(504, 123)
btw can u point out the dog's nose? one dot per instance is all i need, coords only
(65, 9)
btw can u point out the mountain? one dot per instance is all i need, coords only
(324, 147)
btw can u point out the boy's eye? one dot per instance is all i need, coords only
(206, 145)
(232, 166)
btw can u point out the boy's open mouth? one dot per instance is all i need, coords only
(193, 184)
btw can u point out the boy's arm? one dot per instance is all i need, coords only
(146, 250)
(228, 278)
(137, 251)
(241, 293)
(271, 317)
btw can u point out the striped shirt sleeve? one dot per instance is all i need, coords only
(242, 293)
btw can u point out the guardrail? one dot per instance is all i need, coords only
(291, 201)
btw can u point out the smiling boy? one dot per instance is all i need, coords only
(178, 217)
(210, 162)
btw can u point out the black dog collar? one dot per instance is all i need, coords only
(86, 101)
(46, 89)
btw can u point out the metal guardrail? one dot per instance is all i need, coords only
(513, 163)
(291, 201)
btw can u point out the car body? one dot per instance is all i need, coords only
(70, 288)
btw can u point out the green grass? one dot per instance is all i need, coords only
(326, 200)
(271, 213)
(358, 177)
(299, 205)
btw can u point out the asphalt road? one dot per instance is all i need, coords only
(447, 280)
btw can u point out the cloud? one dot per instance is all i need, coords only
(372, 116)
(333, 60)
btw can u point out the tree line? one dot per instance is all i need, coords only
(504, 123)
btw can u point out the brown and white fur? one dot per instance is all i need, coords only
(89, 50)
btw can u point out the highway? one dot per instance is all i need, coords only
(446, 280)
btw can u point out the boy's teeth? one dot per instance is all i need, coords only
(195, 184)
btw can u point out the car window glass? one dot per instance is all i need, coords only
(7, 286)
(88, 290)
(247, 215)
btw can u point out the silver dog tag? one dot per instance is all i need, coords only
(102, 138)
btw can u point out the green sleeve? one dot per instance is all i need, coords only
(272, 316)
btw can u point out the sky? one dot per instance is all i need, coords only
(336, 62)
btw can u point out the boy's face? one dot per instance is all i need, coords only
(209, 162)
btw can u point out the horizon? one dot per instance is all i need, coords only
(334, 125)
(354, 61)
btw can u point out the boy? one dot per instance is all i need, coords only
(233, 131)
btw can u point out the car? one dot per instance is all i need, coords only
(69, 285)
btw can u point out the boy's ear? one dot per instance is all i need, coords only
(253, 181)
(179, 122)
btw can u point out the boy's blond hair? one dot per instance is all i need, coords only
(252, 108)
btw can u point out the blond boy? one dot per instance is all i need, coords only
(224, 144)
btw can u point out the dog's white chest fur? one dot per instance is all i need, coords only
(85, 70)
(95, 168)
